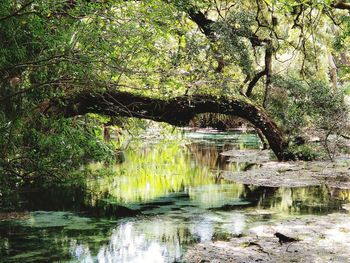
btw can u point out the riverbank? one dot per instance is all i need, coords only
(325, 238)
(321, 239)
(269, 173)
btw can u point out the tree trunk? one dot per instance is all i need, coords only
(177, 111)
(332, 70)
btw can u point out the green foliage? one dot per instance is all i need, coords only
(299, 104)
(53, 49)
(39, 61)
(234, 44)
(347, 89)
(48, 150)
(304, 152)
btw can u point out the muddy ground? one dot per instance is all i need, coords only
(334, 173)
(321, 239)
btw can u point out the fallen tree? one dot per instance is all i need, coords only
(177, 111)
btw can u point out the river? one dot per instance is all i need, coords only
(161, 199)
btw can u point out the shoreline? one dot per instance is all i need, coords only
(322, 238)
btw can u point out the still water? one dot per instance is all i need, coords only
(162, 198)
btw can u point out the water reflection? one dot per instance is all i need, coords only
(167, 167)
(161, 239)
(128, 245)
(157, 240)
(152, 206)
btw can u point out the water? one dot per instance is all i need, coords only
(162, 199)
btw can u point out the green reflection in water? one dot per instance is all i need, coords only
(180, 199)
(305, 200)
(148, 173)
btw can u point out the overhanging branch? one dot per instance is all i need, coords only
(177, 111)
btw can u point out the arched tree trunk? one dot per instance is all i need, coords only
(177, 111)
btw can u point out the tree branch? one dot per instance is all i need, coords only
(17, 12)
(266, 71)
(341, 5)
(177, 111)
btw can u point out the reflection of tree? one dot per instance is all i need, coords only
(315, 199)
(154, 172)
(208, 155)
(147, 173)
(143, 241)
(212, 196)
(341, 194)
(151, 172)
(304, 200)
(160, 239)
(163, 168)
